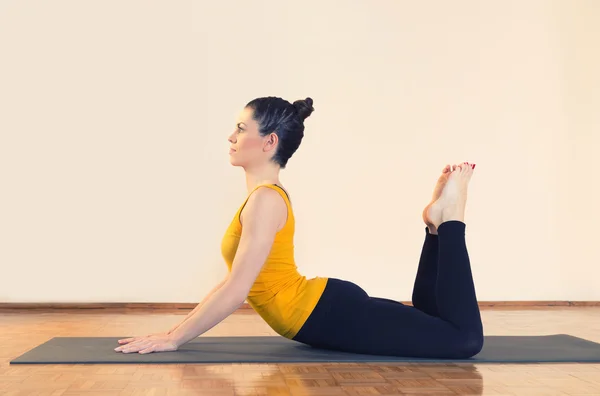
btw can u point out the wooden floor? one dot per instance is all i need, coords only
(23, 330)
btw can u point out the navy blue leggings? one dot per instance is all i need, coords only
(444, 321)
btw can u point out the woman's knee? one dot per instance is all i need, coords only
(470, 345)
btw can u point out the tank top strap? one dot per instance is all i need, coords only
(281, 190)
(275, 187)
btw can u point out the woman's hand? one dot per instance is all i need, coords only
(161, 342)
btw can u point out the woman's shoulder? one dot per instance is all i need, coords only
(267, 203)
(271, 190)
(272, 195)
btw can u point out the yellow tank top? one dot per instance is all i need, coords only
(280, 295)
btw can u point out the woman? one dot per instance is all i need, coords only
(444, 321)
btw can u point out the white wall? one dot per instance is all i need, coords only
(115, 179)
(579, 179)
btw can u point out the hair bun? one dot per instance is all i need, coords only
(304, 107)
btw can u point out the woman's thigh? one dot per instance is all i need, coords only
(348, 319)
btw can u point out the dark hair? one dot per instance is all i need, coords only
(277, 115)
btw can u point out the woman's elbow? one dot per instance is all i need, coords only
(237, 292)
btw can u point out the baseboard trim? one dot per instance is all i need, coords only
(189, 306)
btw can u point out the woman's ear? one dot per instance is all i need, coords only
(271, 142)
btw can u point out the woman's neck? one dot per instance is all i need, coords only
(268, 174)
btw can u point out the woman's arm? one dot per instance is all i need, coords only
(197, 308)
(264, 212)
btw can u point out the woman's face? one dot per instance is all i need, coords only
(248, 148)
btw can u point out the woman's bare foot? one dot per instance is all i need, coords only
(452, 201)
(432, 216)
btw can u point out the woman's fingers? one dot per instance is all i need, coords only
(131, 345)
(148, 345)
(148, 349)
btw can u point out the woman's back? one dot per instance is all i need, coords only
(280, 294)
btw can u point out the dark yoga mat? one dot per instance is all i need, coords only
(275, 349)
